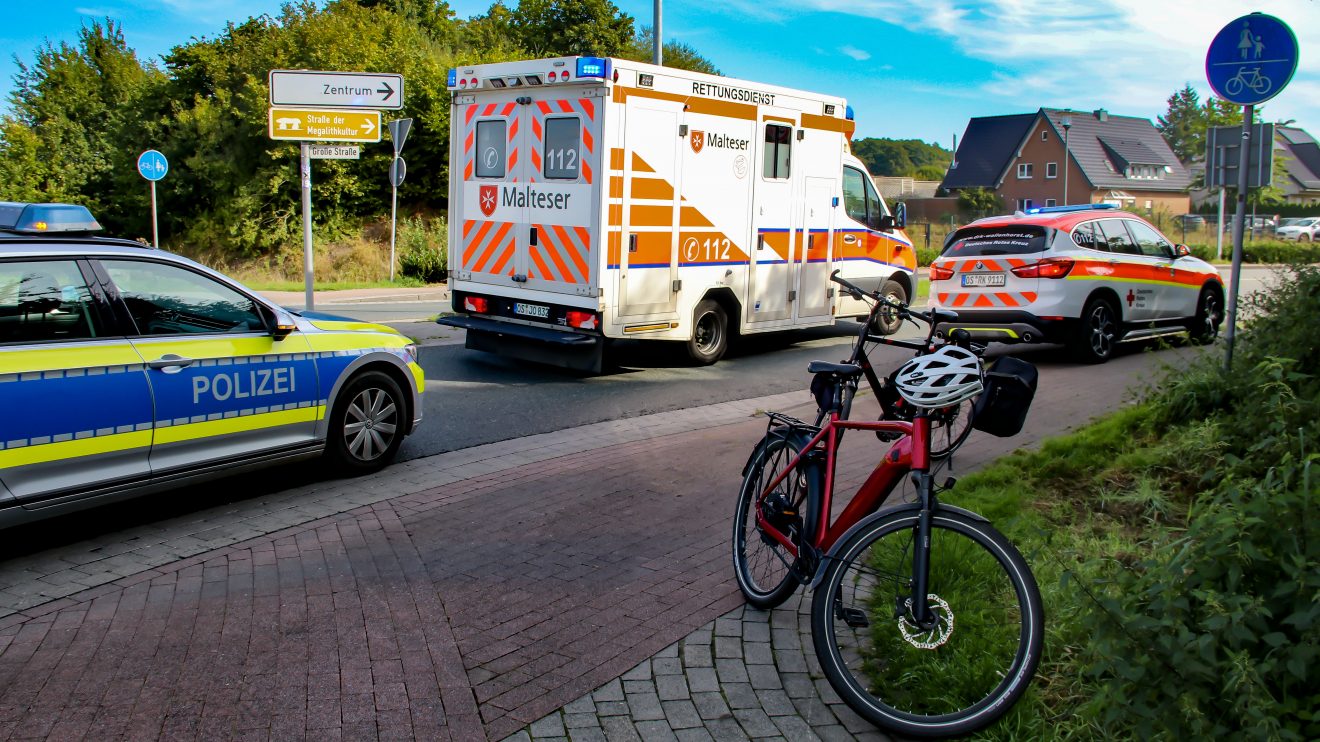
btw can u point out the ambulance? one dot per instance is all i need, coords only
(595, 199)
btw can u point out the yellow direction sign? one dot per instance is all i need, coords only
(324, 125)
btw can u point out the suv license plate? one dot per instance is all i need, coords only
(983, 279)
(531, 310)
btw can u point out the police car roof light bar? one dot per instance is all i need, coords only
(1066, 209)
(47, 218)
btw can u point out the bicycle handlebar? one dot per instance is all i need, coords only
(904, 311)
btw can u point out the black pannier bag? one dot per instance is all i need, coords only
(1010, 385)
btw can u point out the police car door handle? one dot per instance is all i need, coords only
(170, 363)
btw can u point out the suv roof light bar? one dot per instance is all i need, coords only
(1066, 209)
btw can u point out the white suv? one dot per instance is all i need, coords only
(1087, 276)
(1299, 230)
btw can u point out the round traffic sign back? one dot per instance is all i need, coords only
(398, 170)
(1251, 59)
(153, 165)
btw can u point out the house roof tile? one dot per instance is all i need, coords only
(987, 147)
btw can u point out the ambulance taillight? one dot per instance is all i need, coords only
(581, 320)
(476, 304)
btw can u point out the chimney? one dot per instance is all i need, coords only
(1101, 115)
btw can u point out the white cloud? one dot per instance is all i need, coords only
(855, 53)
(97, 12)
(1126, 55)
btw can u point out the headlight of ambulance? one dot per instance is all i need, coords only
(410, 353)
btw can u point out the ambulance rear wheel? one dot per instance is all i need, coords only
(367, 424)
(887, 321)
(710, 333)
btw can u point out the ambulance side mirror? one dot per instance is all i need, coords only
(1181, 251)
(897, 220)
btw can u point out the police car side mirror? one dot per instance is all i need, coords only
(1181, 251)
(279, 323)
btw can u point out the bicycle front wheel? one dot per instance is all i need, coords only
(764, 568)
(954, 677)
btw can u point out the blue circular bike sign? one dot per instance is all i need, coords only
(153, 165)
(1251, 59)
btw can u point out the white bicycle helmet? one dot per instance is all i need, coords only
(940, 379)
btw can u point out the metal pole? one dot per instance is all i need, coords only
(1248, 114)
(394, 222)
(155, 235)
(308, 302)
(658, 52)
(1219, 225)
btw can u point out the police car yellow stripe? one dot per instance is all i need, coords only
(84, 356)
(239, 424)
(70, 449)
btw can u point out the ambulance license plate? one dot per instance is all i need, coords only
(531, 310)
(983, 279)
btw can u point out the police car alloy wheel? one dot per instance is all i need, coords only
(368, 423)
(1209, 315)
(1095, 339)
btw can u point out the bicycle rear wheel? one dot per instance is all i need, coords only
(950, 427)
(764, 568)
(953, 678)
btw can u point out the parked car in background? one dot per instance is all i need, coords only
(1305, 229)
(1193, 221)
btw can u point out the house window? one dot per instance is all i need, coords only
(1148, 205)
(1044, 135)
(1024, 170)
(1051, 202)
(1051, 170)
(1025, 203)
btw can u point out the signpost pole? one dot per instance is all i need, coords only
(394, 221)
(155, 233)
(1244, 162)
(1219, 225)
(306, 171)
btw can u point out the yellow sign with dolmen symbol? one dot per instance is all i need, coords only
(324, 125)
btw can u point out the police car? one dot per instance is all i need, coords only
(126, 369)
(1087, 276)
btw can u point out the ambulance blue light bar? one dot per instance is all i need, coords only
(453, 78)
(848, 113)
(593, 67)
(1066, 209)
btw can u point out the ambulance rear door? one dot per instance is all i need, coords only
(530, 159)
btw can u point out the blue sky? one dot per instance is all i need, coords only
(911, 70)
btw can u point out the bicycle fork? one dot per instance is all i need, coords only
(918, 601)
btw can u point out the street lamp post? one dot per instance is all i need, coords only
(1066, 122)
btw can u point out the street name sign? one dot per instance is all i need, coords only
(324, 125)
(153, 165)
(335, 151)
(1251, 59)
(317, 89)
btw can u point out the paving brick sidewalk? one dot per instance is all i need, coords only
(497, 591)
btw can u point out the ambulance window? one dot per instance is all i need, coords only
(45, 300)
(854, 194)
(778, 147)
(562, 137)
(491, 141)
(1117, 236)
(169, 300)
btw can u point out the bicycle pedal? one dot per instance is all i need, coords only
(854, 617)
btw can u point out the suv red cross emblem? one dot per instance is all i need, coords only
(1131, 297)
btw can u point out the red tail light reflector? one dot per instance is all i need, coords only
(581, 320)
(478, 304)
(940, 273)
(1047, 268)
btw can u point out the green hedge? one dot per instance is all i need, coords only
(1270, 251)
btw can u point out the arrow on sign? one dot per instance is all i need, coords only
(386, 89)
(367, 126)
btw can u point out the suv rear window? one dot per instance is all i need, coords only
(1011, 240)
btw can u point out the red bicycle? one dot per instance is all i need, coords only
(925, 619)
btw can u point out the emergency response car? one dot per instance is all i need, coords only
(593, 199)
(126, 369)
(1085, 275)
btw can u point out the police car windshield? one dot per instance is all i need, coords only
(1008, 240)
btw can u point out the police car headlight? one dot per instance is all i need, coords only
(410, 353)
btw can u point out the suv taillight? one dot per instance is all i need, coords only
(477, 304)
(940, 273)
(581, 320)
(1047, 268)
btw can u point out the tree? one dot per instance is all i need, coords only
(1186, 121)
(559, 28)
(901, 157)
(979, 200)
(676, 54)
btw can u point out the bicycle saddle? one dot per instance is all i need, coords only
(825, 367)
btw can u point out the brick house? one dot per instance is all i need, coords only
(1121, 160)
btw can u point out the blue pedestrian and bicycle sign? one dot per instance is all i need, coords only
(153, 165)
(1251, 59)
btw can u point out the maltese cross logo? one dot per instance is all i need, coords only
(488, 199)
(697, 140)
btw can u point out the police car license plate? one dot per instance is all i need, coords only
(983, 279)
(531, 310)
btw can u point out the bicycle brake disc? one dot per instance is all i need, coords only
(935, 636)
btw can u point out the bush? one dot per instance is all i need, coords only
(1265, 251)
(927, 255)
(423, 249)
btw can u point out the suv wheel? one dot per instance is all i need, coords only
(1204, 327)
(367, 425)
(887, 321)
(1098, 333)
